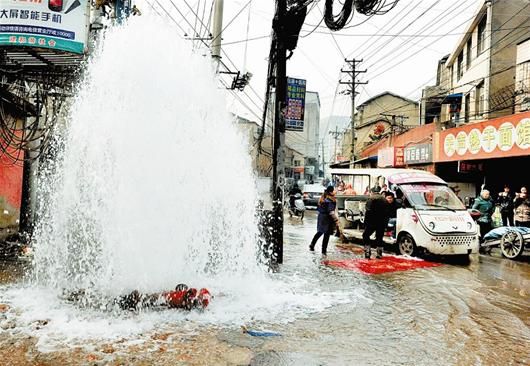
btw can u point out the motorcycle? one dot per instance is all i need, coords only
(298, 207)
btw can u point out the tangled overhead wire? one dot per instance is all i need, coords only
(365, 7)
(28, 113)
(375, 7)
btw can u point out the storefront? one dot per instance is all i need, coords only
(490, 154)
(298, 172)
(390, 157)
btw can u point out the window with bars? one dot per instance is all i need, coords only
(468, 53)
(460, 66)
(481, 40)
(523, 85)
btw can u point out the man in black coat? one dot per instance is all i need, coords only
(375, 220)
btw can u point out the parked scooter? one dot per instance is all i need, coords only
(297, 208)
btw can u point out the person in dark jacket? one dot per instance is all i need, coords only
(327, 220)
(505, 202)
(393, 205)
(485, 205)
(292, 192)
(375, 220)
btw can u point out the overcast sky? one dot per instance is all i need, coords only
(400, 49)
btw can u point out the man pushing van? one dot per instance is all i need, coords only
(375, 220)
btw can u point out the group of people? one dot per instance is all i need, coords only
(381, 209)
(514, 208)
(347, 189)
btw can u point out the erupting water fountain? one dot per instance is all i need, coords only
(152, 186)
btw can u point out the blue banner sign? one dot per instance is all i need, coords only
(294, 117)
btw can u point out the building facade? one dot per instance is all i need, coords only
(522, 77)
(307, 142)
(476, 82)
(261, 160)
(386, 114)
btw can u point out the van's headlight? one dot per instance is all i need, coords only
(469, 225)
(431, 225)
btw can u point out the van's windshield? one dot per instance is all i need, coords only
(426, 196)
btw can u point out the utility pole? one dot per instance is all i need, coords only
(393, 124)
(278, 152)
(217, 29)
(335, 135)
(28, 205)
(353, 92)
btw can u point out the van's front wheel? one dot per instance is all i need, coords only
(406, 245)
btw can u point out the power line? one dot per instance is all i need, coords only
(410, 40)
(409, 24)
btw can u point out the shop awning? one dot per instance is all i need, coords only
(451, 98)
(346, 164)
(340, 164)
(366, 160)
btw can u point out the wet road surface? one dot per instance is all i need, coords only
(457, 314)
(475, 313)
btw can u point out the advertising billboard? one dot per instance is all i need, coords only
(390, 157)
(56, 24)
(497, 138)
(294, 117)
(418, 154)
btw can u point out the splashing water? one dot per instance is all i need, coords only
(152, 187)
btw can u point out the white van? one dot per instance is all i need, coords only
(432, 218)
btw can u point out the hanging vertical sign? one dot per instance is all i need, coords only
(56, 24)
(294, 117)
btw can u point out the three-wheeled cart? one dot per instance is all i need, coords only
(513, 241)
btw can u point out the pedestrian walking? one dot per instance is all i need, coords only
(485, 205)
(506, 206)
(522, 208)
(327, 220)
(375, 220)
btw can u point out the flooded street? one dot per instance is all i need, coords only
(457, 314)
(476, 313)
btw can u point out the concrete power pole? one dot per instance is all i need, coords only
(353, 92)
(28, 205)
(278, 152)
(217, 29)
(323, 160)
(335, 135)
